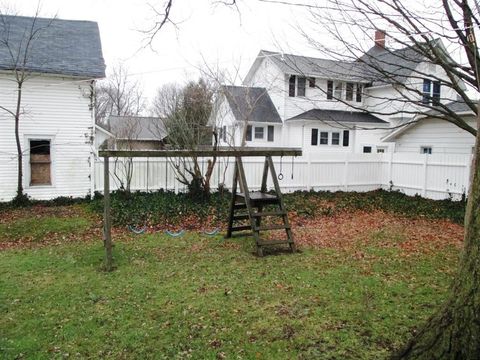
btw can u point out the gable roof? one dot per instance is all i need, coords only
(338, 116)
(137, 127)
(64, 47)
(251, 103)
(310, 66)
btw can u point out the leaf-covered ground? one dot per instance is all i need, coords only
(361, 283)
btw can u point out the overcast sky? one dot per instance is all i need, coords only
(205, 33)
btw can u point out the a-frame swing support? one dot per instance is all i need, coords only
(249, 200)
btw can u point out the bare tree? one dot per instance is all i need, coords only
(118, 95)
(18, 48)
(185, 112)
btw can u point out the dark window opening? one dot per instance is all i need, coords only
(314, 137)
(301, 83)
(346, 137)
(311, 82)
(40, 162)
(249, 133)
(224, 133)
(349, 92)
(270, 133)
(329, 90)
(367, 149)
(335, 138)
(291, 86)
(324, 138)
(426, 150)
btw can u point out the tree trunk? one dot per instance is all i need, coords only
(453, 332)
(19, 145)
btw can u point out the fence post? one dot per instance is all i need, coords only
(345, 172)
(309, 171)
(390, 170)
(468, 169)
(425, 168)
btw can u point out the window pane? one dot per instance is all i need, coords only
(367, 149)
(426, 91)
(359, 93)
(311, 82)
(40, 147)
(301, 82)
(324, 138)
(338, 90)
(249, 133)
(258, 132)
(349, 92)
(314, 137)
(329, 89)
(291, 86)
(270, 133)
(224, 133)
(335, 138)
(426, 150)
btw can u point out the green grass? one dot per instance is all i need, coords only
(38, 228)
(204, 298)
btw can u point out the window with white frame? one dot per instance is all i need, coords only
(367, 149)
(381, 149)
(259, 132)
(335, 138)
(431, 92)
(297, 85)
(323, 138)
(40, 162)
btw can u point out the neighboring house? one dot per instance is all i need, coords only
(131, 133)
(327, 105)
(57, 121)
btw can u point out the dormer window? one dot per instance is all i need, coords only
(431, 92)
(349, 91)
(301, 83)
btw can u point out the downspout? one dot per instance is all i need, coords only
(93, 148)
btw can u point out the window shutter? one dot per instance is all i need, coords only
(329, 89)
(270, 133)
(249, 133)
(346, 137)
(314, 140)
(291, 86)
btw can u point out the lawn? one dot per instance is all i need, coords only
(355, 293)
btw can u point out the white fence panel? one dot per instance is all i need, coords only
(435, 176)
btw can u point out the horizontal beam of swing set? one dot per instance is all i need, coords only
(204, 152)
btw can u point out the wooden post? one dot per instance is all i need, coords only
(107, 221)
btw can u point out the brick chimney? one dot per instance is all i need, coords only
(380, 38)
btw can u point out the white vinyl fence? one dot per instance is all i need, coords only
(433, 176)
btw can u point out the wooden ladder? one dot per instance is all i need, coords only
(253, 203)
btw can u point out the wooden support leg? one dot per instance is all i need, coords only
(231, 212)
(107, 222)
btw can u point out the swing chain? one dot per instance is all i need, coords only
(280, 174)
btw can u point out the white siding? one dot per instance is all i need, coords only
(442, 136)
(58, 109)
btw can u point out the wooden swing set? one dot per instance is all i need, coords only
(245, 205)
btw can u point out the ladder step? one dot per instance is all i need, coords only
(241, 234)
(272, 227)
(241, 217)
(269, 213)
(259, 197)
(240, 206)
(241, 228)
(274, 242)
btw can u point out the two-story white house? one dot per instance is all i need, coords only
(56, 127)
(326, 105)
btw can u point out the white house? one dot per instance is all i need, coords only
(327, 105)
(56, 127)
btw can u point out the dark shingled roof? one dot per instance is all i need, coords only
(64, 47)
(338, 116)
(137, 127)
(252, 103)
(321, 68)
(459, 106)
